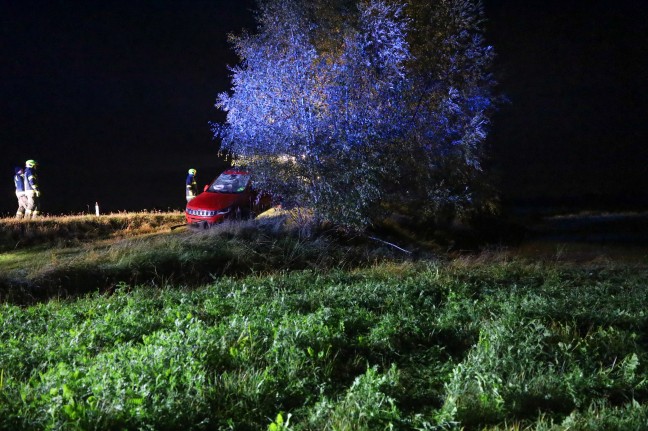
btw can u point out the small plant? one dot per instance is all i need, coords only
(279, 424)
(365, 406)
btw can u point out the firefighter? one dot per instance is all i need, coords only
(19, 182)
(31, 190)
(192, 186)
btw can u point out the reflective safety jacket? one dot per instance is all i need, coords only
(31, 182)
(19, 182)
(192, 186)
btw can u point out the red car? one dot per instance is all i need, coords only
(231, 195)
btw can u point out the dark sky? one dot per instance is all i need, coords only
(114, 98)
(576, 73)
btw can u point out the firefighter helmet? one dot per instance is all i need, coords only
(30, 163)
(192, 171)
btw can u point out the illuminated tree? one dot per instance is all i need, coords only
(331, 110)
(451, 101)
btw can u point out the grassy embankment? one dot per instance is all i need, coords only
(325, 333)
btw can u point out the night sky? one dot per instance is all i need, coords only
(114, 99)
(576, 129)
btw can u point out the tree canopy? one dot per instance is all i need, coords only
(348, 107)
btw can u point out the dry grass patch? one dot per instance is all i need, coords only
(71, 230)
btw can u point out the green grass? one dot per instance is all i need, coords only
(164, 256)
(412, 345)
(251, 327)
(16, 260)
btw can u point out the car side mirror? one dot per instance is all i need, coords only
(206, 187)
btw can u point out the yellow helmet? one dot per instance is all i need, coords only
(30, 163)
(192, 171)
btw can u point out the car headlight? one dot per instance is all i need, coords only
(223, 211)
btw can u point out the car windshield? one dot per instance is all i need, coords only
(230, 183)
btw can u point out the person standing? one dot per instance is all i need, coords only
(19, 182)
(191, 185)
(31, 190)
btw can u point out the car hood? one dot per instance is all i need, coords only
(213, 201)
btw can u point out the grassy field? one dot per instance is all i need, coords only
(262, 325)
